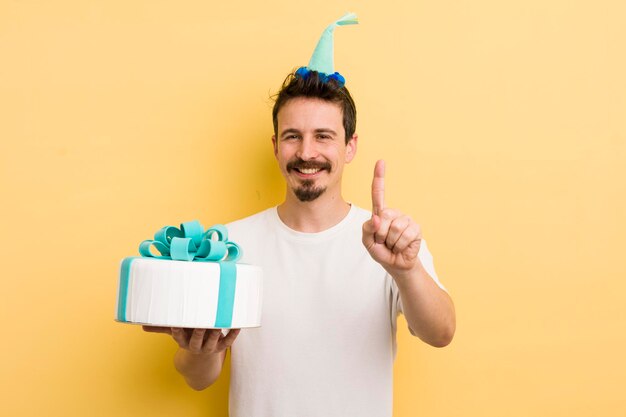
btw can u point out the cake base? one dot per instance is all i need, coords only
(209, 295)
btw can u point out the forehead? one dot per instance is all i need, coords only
(310, 113)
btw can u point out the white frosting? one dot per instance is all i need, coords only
(185, 294)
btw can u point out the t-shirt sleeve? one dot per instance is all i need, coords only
(426, 259)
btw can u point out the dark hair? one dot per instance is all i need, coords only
(312, 86)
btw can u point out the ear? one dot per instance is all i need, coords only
(351, 148)
(275, 145)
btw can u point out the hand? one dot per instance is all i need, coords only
(198, 341)
(391, 238)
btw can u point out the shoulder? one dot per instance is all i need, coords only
(360, 215)
(251, 223)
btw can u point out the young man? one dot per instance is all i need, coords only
(335, 278)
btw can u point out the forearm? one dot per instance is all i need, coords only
(200, 370)
(428, 309)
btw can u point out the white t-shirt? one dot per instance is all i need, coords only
(327, 340)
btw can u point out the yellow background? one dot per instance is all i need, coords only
(502, 124)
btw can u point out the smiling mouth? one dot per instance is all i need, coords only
(308, 171)
(307, 167)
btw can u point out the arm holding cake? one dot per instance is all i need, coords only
(200, 353)
(393, 240)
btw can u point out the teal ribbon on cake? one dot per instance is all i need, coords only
(191, 243)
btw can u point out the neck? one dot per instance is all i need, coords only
(313, 216)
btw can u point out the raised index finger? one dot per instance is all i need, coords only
(378, 187)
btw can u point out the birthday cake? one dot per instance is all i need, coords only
(195, 281)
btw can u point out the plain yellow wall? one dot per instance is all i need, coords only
(502, 124)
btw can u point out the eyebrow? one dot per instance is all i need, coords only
(321, 130)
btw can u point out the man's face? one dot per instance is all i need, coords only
(311, 148)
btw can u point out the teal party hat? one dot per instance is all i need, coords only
(322, 60)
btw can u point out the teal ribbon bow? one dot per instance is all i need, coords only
(192, 243)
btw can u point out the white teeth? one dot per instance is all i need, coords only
(309, 170)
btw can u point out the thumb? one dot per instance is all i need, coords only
(370, 228)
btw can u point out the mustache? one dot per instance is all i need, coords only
(302, 164)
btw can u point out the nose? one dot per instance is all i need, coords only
(308, 149)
